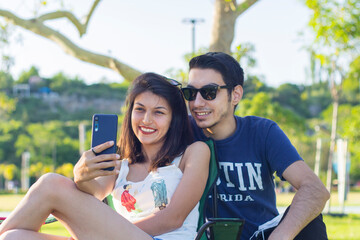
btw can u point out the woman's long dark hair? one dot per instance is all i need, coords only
(179, 135)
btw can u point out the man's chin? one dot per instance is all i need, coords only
(202, 123)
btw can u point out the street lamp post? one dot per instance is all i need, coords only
(193, 22)
(25, 162)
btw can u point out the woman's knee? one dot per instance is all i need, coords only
(12, 235)
(52, 185)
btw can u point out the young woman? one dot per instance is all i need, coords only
(156, 187)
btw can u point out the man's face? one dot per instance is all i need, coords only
(211, 114)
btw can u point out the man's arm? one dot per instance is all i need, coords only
(307, 203)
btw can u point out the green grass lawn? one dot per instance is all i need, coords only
(55, 228)
(346, 227)
(353, 199)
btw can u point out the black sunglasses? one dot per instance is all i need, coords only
(207, 92)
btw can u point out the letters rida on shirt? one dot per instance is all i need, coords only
(248, 177)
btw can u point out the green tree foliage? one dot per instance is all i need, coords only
(10, 172)
(262, 105)
(351, 85)
(2, 168)
(48, 143)
(25, 75)
(244, 55)
(348, 128)
(316, 97)
(26, 107)
(61, 83)
(9, 130)
(7, 60)
(44, 127)
(289, 96)
(7, 106)
(254, 85)
(352, 133)
(66, 169)
(38, 169)
(6, 81)
(336, 23)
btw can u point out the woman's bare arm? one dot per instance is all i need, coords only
(89, 175)
(195, 166)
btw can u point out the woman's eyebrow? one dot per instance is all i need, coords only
(139, 103)
(161, 107)
(158, 107)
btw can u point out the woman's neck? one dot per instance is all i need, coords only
(150, 152)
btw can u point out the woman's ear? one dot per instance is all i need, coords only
(237, 94)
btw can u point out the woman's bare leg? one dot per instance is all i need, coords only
(29, 235)
(84, 216)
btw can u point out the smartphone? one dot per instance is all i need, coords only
(104, 128)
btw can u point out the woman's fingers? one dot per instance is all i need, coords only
(101, 172)
(97, 170)
(91, 166)
(108, 164)
(99, 148)
(103, 157)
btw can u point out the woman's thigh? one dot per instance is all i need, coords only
(29, 235)
(86, 217)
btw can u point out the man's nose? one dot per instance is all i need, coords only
(199, 100)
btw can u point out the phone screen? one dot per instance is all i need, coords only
(104, 128)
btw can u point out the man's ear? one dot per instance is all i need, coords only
(237, 94)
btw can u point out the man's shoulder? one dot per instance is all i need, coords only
(254, 122)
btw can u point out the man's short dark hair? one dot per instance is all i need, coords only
(226, 65)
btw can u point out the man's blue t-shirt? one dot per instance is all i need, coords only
(247, 162)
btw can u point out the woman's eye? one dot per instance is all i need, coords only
(138, 109)
(158, 112)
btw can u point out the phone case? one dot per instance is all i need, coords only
(104, 128)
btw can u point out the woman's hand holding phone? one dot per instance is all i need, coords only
(104, 129)
(91, 166)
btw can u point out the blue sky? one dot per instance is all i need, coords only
(151, 36)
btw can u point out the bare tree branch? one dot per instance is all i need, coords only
(63, 14)
(81, 27)
(92, 9)
(69, 47)
(242, 7)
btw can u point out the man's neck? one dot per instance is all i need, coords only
(221, 130)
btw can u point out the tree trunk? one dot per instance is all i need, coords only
(335, 94)
(331, 151)
(223, 29)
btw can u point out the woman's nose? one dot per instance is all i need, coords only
(147, 118)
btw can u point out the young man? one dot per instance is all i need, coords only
(249, 151)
